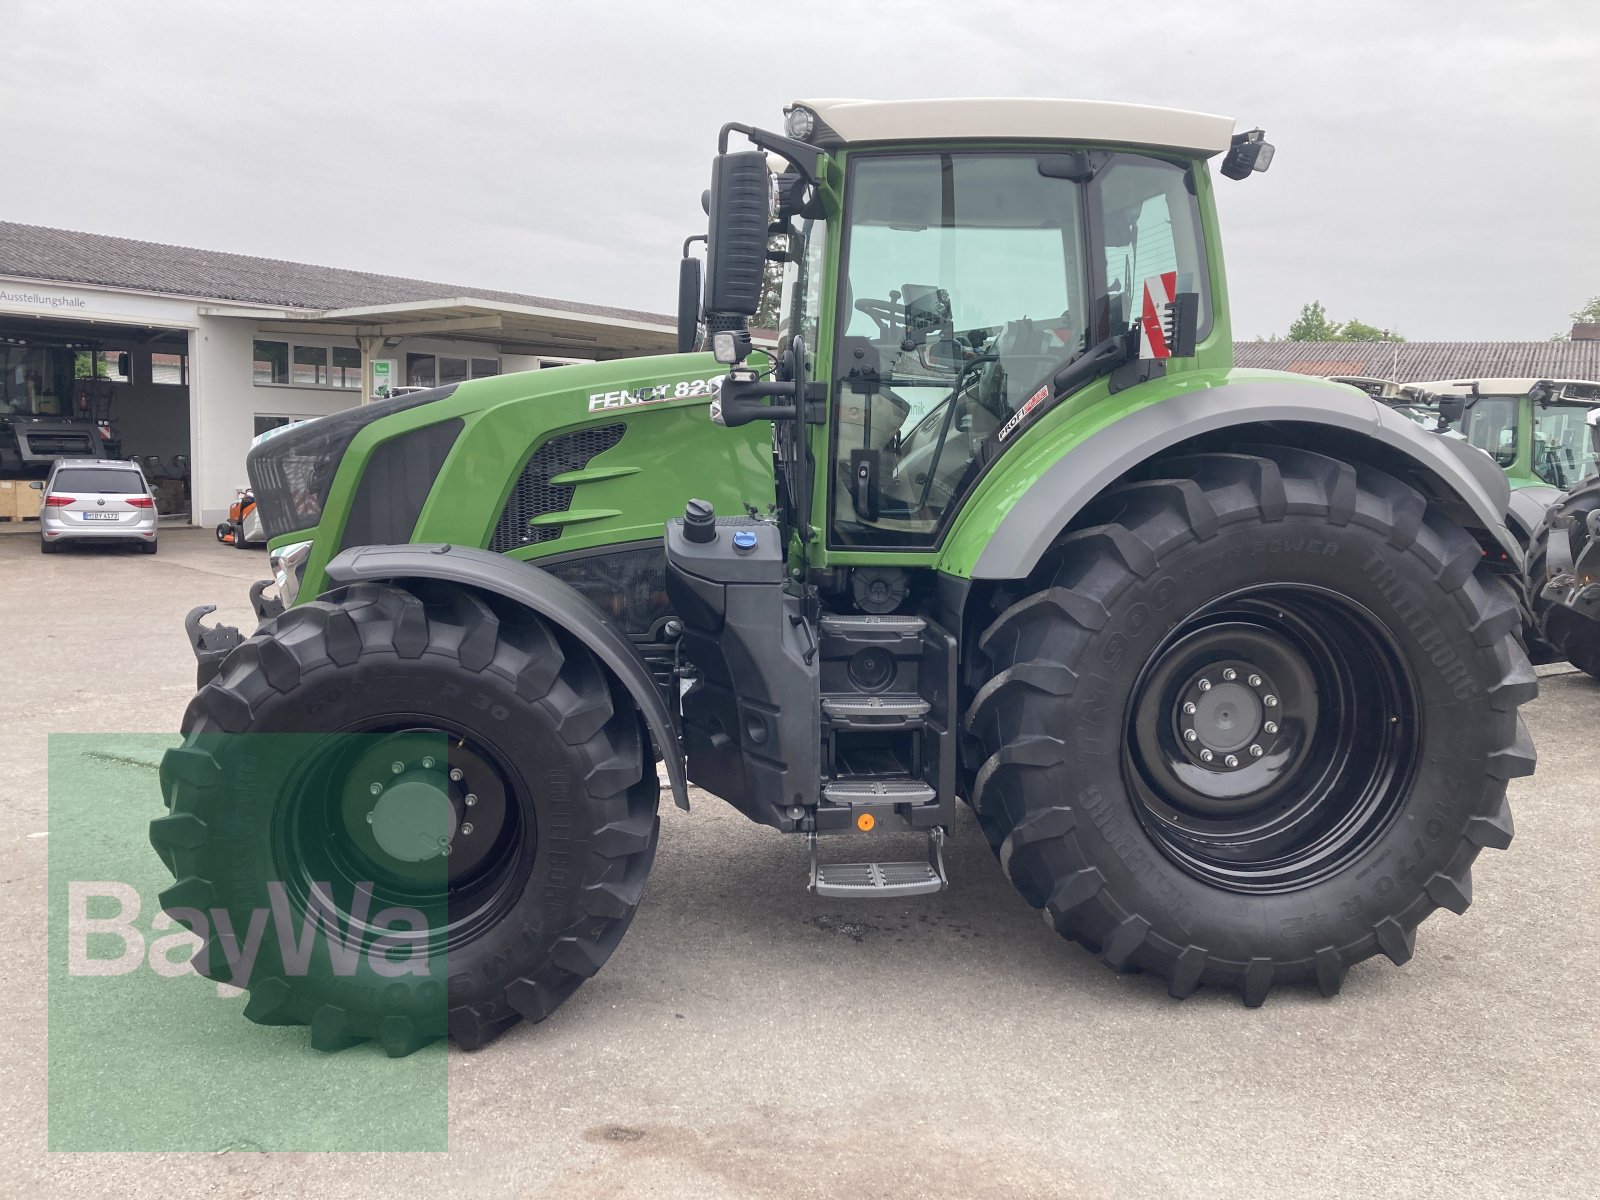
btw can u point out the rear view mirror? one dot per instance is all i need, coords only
(736, 247)
(37, 485)
(1451, 409)
(689, 282)
(1542, 393)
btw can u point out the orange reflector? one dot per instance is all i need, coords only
(865, 822)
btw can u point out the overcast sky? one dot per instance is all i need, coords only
(1437, 171)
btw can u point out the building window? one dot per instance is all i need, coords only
(304, 366)
(310, 366)
(266, 422)
(420, 370)
(272, 362)
(438, 370)
(346, 367)
(169, 370)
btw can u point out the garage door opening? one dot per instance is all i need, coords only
(71, 390)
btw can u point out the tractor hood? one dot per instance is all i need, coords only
(534, 465)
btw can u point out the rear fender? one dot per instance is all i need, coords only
(1263, 408)
(539, 592)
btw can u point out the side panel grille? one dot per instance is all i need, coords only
(534, 495)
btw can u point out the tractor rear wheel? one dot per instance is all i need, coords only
(1257, 725)
(422, 772)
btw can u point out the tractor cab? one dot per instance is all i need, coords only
(953, 274)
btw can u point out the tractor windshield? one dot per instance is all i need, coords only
(1563, 450)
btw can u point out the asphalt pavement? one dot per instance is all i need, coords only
(750, 1040)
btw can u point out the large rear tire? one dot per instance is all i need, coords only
(1257, 725)
(353, 730)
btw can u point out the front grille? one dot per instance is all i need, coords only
(395, 484)
(534, 495)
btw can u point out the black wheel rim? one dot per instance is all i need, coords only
(362, 808)
(1271, 738)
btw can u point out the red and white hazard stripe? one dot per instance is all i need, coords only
(1159, 291)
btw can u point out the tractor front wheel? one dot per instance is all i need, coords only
(1257, 725)
(428, 809)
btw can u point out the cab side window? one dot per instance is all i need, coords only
(1149, 223)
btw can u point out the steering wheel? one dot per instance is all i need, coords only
(881, 311)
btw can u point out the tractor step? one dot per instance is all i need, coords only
(877, 791)
(850, 710)
(869, 880)
(847, 624)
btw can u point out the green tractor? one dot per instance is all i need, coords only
(1222, 660)
(1540, 432)
(1564, 577)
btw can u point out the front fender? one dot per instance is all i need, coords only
(1044, 507)
(540, 592)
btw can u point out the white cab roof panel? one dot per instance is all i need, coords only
(1071, 120)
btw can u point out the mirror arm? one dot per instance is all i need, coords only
(802, 157)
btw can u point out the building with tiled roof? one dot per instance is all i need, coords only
(1411, 362)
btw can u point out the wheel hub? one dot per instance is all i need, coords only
(1228, 714)
(414, 820)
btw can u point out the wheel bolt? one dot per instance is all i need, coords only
(455, 775)
(1189, 709)
(445, 849)
(1205, 756)
(427, 763)
(1204, 685)
(370, 815)
(1231, 760)
(1230, 674)
(397, 767)
(1190, 735)
(1255, 681)
(1271, 727)
(1255, 751)
(466, 827)
(375, 788)
(471, 799)
(1270, 701)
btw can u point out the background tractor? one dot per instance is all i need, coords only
(1541, 433)
(1222, 660)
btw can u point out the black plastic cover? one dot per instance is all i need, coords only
(395, 485)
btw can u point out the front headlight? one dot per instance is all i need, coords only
(291, 472)
(288, 565)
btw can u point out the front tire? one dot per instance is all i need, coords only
(1132, 772)
(450, 753)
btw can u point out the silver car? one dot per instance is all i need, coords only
(97, 499)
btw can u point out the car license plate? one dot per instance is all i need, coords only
(100, 516)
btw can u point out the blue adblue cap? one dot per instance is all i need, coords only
(745, 539)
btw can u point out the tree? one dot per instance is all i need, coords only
(1313, 325)
(1590, 313)
(1359, 331)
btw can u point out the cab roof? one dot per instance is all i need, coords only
(849, 122)
(1499, 385)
